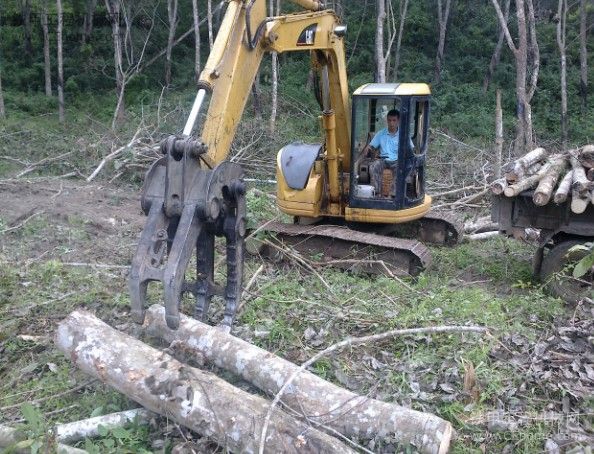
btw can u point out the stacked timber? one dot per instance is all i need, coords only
(553, 177)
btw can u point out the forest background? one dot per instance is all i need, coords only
(457, 47)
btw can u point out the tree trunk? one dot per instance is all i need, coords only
(194, 398)
(403, 11)
(26, 15)
(172, 16)
(209, 19)
(524, 94)
(113, 9)
(337, 408)
(2, 110)
(497, 52)
(583, 56)
(498, 135)
(442, 16)
(561, 38)
(197, 63)
(88, 20)
(60, 62)
(380, 61)
(46, 50)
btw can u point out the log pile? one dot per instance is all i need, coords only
(556, 177)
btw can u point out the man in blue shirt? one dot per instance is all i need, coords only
(386, 141)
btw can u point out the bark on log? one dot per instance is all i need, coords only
(514, 189)
(192, 397)
(590, 174)
(544, 190)
(89, 428)
(579, 202)
(580, 180)
(526, 161)
(15, 440)
(516, 175)
(564, 188)
(480, 225)
(323, 402)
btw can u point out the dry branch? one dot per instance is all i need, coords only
(322, 402)
(192, 397)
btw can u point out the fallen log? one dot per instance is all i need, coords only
(322, 402)
(481, 236)
(564, 187)
(192, 397)
(546, 185)
(516, 175)
(15, 441)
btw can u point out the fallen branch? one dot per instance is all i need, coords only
(481, 236)
(113, 154)
(194, 398)
(32, 167)
(89, 428)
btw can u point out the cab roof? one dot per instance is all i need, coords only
(393, 89)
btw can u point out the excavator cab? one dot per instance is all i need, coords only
(402, 189)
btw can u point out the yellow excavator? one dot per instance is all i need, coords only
(193, 193)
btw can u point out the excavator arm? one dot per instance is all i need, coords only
(192, 194)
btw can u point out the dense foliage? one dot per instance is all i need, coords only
(460, 106)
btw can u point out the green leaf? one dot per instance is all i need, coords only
(109, 443)
(583, 266)
(97, 412)
(120, 433)
(36, 446)
(102, 430)
(31, 415)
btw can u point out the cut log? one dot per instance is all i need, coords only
(498, 186)
(516, 175)
(546, 185)
(323, 402)
(480, 225)
(590, 174)
(481, 236)
(526, 161)
(579, 202)
(564, 188)
(192, 397)
(580, 180)
(514, 189)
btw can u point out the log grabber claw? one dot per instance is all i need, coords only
(187, 207)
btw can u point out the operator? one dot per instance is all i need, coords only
(386, 141)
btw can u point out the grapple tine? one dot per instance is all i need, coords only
(145, 264)
(182, 249)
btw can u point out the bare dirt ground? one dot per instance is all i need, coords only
(107, 218)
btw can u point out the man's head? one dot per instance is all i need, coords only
(393, 119)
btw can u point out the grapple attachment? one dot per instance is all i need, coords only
(188, 206)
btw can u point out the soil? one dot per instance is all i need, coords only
(73, 221)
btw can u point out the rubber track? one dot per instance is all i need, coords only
(413, 248)
(454, 224)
